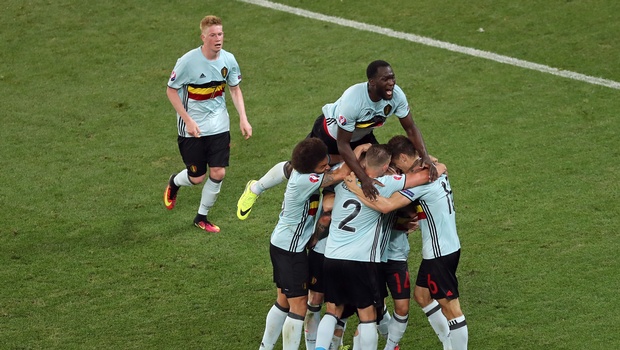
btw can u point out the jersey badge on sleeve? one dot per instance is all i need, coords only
(314, 178)
(408, 193)
(342, 120)
(173, 76)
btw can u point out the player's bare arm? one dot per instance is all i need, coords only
(237, 98)
(420, 176)
(190, 125)
(344, 147)
(414, 134)
(380, 204)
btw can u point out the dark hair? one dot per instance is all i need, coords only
(308, 154)
(400, 144)
(374, 66)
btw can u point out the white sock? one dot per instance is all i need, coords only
(182, 179)
(458, 333)
(311, 324)
(272, 178)
(325, 331)
(397, 328)
(437, 320)
(209, 195)
(291, 331)
(273, 326)
(337, 339)
(382, 327)
(356, 341)
(368, 337)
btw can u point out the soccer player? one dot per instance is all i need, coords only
(353, 251)
(405, 159)
(436, 282)
(290, 237)
(347, 123)
(196, 90)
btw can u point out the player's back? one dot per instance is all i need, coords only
(356, 231)
(438, 218)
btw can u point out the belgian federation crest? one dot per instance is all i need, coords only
(387, 109)
(224, 72)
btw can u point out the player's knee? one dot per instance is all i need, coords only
(423, 299)
(402, 309)
(452, 309)
(197, 179)
(217, 174)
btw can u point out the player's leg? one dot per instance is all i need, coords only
(456, 320)
(435, 316)
(367, 329)
(442, 283)
(210, 192)
(294, 323)
(274, 322)
(398, 323)
(315, 298)
(396, 274)
(194, 172)
(341, 326)
(275, 176)
(333, 282)
(384, 325)
(217, 150)
(327, 325)
(430, 306)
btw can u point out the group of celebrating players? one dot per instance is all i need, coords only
(349, 205)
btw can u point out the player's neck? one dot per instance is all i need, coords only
(211, 55)
(372, 95)
(374, 172)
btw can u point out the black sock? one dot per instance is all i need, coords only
(199, 218)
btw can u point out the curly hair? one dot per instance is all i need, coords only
(308, 154)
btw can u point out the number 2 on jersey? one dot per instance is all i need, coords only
(357, 206)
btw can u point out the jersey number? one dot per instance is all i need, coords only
(449, 197)
(356, 210)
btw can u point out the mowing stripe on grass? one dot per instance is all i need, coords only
(436, 43)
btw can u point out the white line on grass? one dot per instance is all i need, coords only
(436, 43)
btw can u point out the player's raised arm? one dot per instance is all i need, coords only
(344, 147)
(414, 134)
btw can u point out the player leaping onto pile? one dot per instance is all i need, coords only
(346, 124)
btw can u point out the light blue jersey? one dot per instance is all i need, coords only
(398, 244)
(356, 231)
(297, 218)
(354, 111)
(201, 85)
(437, 219)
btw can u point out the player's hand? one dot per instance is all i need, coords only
(192, 128)
(369, 189)
(432, 168)
(246, 129)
